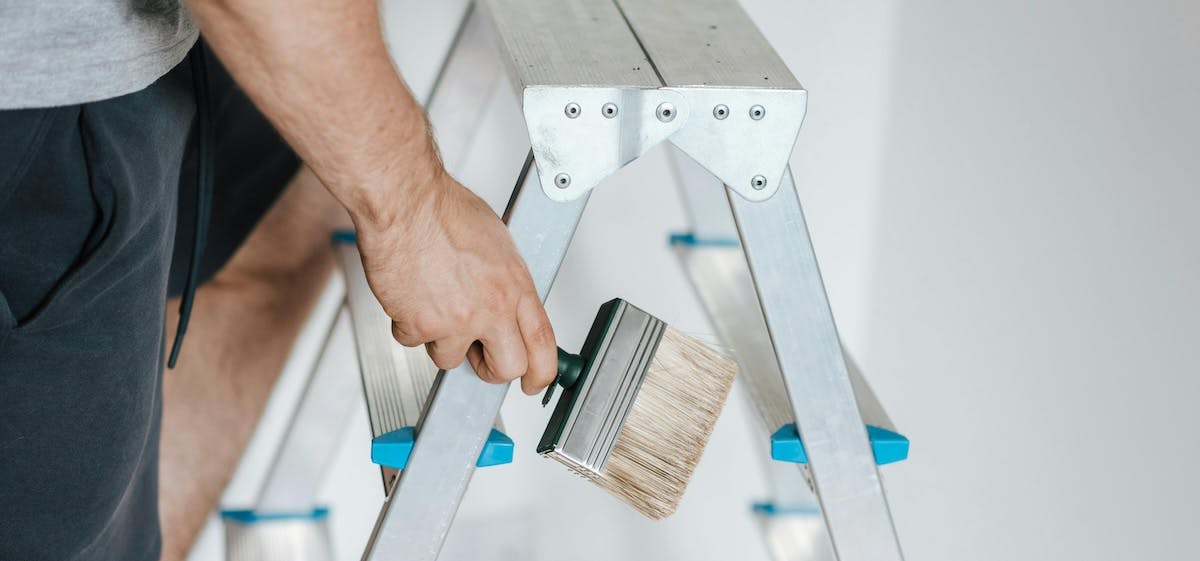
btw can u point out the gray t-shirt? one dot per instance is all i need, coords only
(63, 52)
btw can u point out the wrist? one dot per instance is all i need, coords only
(400, 180)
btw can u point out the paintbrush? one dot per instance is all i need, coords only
(638, 405)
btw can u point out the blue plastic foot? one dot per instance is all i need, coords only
(888, 446)
(392, 449)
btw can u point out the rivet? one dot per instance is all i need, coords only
(609, 110)
(563, 180)
(758, 182)
(721, 111)
(572, 110)
(757, 112)
(665, 112)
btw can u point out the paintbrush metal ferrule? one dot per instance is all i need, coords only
(588, 418)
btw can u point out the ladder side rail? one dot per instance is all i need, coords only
(756, 110)
(792, 296)
(719, 276)
(465, 84)
(305, 454)
(417, 515)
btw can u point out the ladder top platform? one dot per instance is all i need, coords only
(635, 44)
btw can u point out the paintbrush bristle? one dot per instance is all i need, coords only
(669, 424)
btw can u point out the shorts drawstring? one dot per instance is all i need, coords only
(204, 190)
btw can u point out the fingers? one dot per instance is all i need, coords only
(504, 357)
(540, 348)
(449, 352)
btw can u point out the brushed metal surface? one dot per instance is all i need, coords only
(609, 388)
(299, 539)
(568, 43)
(739, 149)
(589, 146)
(460, 94)
(805, 338)
(706, 43)
(395, 379)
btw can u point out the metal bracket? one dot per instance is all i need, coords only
(743, 136)
(581, 135)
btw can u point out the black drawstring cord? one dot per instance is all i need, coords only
(204, 189)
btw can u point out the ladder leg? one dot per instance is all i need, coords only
(713, 261)
(792, 296)
(305, 455)
(286, 523)
(459, 415)
(468, 79)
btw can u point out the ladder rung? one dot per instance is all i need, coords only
(396, 380)
(393, 449)
(887, 445)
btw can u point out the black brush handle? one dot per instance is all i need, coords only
(570, 366)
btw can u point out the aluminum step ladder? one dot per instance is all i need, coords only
(600, 83)
(711, 256)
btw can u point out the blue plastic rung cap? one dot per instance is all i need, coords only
(498, 450)
(393, 449)
(888, 446)
(345, 236)
(255, 516)
(689, 239)
(786, 446)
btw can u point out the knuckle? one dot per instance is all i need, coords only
(543, 333)
(404, 336)
(425, 323)
(496, 301)
(517, 269)
(459, 313)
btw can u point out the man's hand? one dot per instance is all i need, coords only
(449, 276)
(437, 257)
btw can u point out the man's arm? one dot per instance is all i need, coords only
(437, 257)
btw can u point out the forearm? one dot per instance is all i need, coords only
(320, 72)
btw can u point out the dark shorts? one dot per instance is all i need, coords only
(90, 197)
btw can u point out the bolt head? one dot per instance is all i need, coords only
(665, 112)
(758, 182)
(757, 112)
(609, 110)
(562, 181)
(572, 110)
(721, 111)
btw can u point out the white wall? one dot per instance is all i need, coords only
(1035, 294)
(1001, 195)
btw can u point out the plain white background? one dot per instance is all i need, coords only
(1002, 196)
